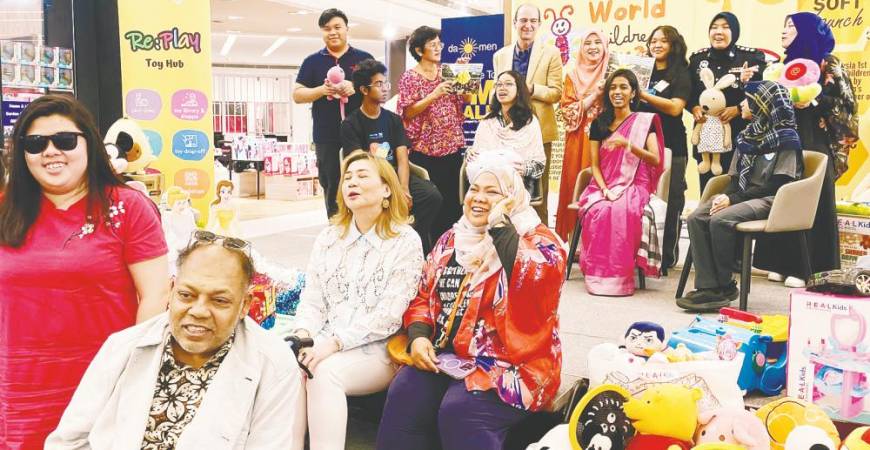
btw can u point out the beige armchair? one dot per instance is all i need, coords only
(793, 210)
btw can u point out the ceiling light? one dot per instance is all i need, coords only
(278, 42)
(235, 17)
(389, 32)
(228, 44)
(294, 29)
(302, 12)
(352, 24)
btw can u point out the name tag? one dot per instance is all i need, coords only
(661, 86)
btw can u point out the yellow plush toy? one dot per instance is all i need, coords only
(782, 416)
(858, 439)
(665, 417)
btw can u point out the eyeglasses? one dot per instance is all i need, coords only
(382, 85)
(435, 45)
(37, 143)
(231, 243)
(500, 85)
(527, 21)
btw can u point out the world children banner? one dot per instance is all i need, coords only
(627, 24)
(477, 38)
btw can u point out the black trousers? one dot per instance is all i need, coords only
(426, 205)
(676, 202)
(444, 173)
(329, 172)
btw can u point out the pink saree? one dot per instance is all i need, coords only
(612, 230)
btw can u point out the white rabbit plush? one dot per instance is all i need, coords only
(712, 136)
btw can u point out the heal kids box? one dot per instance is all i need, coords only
(829, 355)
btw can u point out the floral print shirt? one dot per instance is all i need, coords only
(177, 396)
(358, 286)
(437, 131)
(510, 326)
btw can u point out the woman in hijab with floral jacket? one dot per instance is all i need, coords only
(826, 125)
(488, 298)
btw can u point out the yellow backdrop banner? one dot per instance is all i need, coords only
(847, 20)
(629, 22)
(167, 88)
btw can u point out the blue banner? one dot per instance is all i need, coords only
(477, 37)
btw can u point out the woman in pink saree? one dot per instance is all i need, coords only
(627, 152)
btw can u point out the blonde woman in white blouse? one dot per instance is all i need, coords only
(511, 125)
(364, 270)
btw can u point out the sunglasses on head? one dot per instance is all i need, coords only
(231, 243)
(37, 143)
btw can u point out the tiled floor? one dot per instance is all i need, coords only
(585, 320)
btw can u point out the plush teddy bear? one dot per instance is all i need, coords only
(800, 76)
(712, 136)
(732, 426)
(644, 338)
(665, 417)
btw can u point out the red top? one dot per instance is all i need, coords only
(437, 131)
(511, 327)
(62, 293)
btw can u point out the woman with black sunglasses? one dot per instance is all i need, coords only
(81, 257)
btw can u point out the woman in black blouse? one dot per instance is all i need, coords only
(669, 90)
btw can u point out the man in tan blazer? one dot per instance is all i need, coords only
(541, 64)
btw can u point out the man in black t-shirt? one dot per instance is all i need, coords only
(312, 87)
(380, 132)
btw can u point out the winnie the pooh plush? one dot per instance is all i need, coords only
(665, 417)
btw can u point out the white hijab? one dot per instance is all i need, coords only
(474, 247)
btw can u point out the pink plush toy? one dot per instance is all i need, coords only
(335, 75)
(732, 426)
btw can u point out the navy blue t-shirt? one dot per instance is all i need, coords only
(325, 113)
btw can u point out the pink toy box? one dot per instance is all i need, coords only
(829, 353)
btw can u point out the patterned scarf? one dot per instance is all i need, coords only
(772, 128)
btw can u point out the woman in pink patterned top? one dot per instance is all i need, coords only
(433, 118)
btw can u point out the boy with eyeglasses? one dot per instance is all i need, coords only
(380, 132)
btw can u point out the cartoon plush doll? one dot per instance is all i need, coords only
(132, 144)
(335, 76)
(732, 426)
(800, 76)
(665, 417)
(712, 137)
(599, 420)
(788, 416)
(223, 218)
(645, 338)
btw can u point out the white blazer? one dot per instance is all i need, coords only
(252, 402)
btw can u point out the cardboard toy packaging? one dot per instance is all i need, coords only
(854, 238)
(828, 356)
